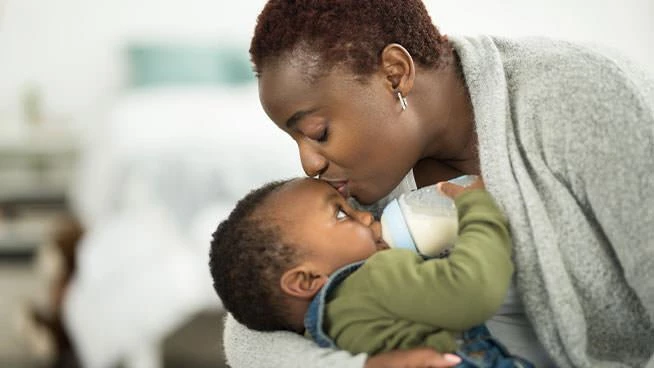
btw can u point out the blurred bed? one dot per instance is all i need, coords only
(155, 178)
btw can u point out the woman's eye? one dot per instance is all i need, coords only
(323, 136)
(340, 215)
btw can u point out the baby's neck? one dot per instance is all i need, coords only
(297, 309)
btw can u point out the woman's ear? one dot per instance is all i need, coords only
(398, 67)
(302, 282)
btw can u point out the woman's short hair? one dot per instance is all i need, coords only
(351, 33)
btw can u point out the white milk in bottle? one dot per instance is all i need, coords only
(424, 221)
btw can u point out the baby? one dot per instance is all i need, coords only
(295, 255)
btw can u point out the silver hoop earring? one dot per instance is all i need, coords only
(403, 101)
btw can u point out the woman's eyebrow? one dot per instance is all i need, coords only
(291, 123)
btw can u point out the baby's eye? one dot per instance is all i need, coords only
(340, 215)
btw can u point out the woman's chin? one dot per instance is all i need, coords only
(364, 197)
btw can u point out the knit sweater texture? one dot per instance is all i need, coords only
(566, 144)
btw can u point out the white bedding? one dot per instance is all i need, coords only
(155, 179)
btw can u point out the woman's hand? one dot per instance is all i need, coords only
(452, 190)
(414, 358)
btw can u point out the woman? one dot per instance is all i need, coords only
(563, 135)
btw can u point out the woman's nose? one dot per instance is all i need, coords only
(313, 163)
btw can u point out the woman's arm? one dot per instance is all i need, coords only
(245, 348)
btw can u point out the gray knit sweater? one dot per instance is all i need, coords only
(566, 142)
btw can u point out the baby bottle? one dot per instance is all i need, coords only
(424, 221)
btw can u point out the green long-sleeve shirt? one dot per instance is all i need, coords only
(397, 300)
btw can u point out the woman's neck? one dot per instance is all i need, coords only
(447, 117)
(429, 171)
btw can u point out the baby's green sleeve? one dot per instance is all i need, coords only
(374, 336)
(399, 300)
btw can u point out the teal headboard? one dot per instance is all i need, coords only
(184, 65)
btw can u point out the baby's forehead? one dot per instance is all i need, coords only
(302, 187)
(296, 197)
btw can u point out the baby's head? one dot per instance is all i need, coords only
(280, 244)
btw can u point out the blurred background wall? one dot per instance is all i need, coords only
(128, 128)
(73, 46)
(73, 49)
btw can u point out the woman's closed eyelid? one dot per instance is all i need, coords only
(315, 130)
(323, 136)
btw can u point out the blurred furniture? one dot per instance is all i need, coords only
(37, 165)
(35, 171)
(156, 176)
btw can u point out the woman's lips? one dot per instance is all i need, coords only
(341, 186)
(342, 189)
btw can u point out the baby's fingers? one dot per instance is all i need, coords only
(453, 190)
(449, 189)
(415, 358)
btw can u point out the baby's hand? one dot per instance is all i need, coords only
(414, 358)
(452, 190)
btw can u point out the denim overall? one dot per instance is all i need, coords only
(478, 350)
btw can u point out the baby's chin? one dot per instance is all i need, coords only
(381, 245)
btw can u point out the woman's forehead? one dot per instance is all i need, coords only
(283, 84)
(301, 61)
(283, 93)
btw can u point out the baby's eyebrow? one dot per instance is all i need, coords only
(331, 197)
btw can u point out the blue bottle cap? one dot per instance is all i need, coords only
(396, 226)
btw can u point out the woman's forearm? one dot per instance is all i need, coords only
(246, 348)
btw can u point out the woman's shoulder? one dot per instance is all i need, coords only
(546, 48)
(539, 67)
(541, 55)
(555, 60)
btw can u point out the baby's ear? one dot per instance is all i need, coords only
(302, 281)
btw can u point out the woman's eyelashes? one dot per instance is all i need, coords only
(323, 136)
(315, 129)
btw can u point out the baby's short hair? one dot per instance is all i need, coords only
(247, 259)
